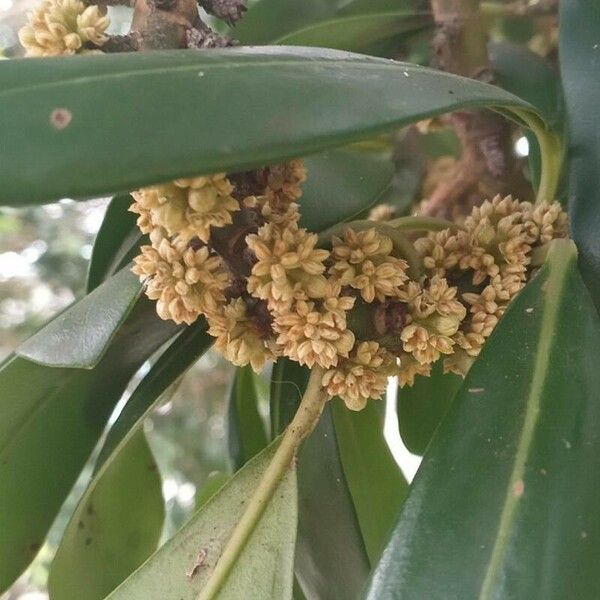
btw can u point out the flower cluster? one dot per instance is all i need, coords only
(62, 27)
(231, 249)
(492, 256)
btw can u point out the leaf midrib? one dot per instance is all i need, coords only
(553, 291)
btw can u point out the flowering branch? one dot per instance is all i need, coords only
(303, 423)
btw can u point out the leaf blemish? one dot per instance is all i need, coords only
(199, 562)
(60, 118)
(519, 488)
(476, 390)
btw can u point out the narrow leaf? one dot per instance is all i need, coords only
(376, 483)
(317, 99)
(246, 435)
(357, 33)
(264, 570)
(505, 504)
(114, 240)
(115, 528)
(422, 407)
(580, 70)
(81, 334)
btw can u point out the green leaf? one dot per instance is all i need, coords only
(357, 33)
(245, 428)
(264, 570)
(505, 504)
(376, 483)
(342, 184)
(187, 348)
(80, 335)
(50, 420)
(317, 99)
(422, 407)
(331, 561)
(115, 528)
(114, 241)
(123, 453)
(580, 70)
(269, 20)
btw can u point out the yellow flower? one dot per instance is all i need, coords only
(239, 337)
(548, 221)
(185, 282)
(382, 213)
(361, 376)
(363, 261)
(186, 208)
(440, 251)
(434, 318)
(410, 368)
(316, 332)
(288, 265)
(60, 27)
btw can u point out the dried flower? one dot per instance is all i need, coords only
(59, 27)
(363, 261)
(316, 332)
(185, 282)
(550, 221)
(239, 337)
(288, 266)
(361, 376)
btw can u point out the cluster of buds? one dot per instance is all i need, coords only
(231, 249)
(64, 27)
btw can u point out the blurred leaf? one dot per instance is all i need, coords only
(114, 529)
(531, 77)
(264, 570)
(270, 20)
(580, 69)
(214, 482)
(505, 504)
(343, 183)
(81, 334)
(50, 420)
(331, 561)
(317, 99)
(422, 407)
(246, 435)
(114, 241)
(376, 483)
(356, 33)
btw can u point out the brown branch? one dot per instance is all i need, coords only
(229, 11)
(487, 165)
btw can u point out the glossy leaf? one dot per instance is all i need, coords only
(357, 33)
(505, 504)
(264, 570)
(50, 420)
(317, 99)
(187, 348)
(375, 481)
(580, 70)
(115, 528)
(422, 407)
(114, 240)
(342, 184)
(331, 560)
(81, 334)
(108, 499)
(246, 434)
